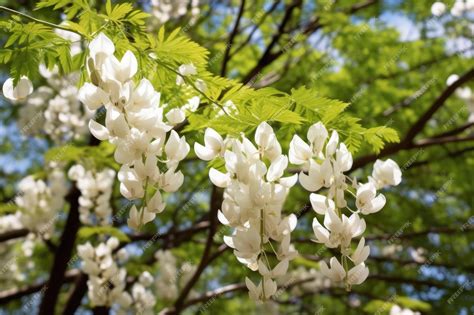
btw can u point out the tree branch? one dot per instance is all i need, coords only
(12, 234)
(13, 294)
(407, 142)
(77, 294)
(63, 254)
(215, 204)
(234, 32)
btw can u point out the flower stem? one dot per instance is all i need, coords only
(11, 11)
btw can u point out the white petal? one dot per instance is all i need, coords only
(218, 178)
(204, 153)
(98, 130)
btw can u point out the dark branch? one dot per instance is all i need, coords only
(234, 32)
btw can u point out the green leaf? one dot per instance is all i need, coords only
(88, 232)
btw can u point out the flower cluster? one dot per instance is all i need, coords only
(142, 299)
(39, 201)
(134, 123)
(171, 278)
(96, 189)
(459, 8)
(106, 284)
(324, 160)
(255, 191)
(53, 108)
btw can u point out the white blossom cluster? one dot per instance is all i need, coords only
(134, 123)
(170, 277)
(255, 191)
(464, 93)
(165, 10)
(53, 108)
(324, 162)
(459, 8)
(96, 189)
(108, 280)
(39, 201)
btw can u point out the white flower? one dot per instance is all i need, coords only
(23, 88)
(277, 168)
(213, 145)
(187, 69)
(336, 272)
(122, 70)
(357, 274)
(218, 178)
(317, 135)
(100, 48)
(280, 269)
(300, 152)
(256, 293)
(338, 232)
(92, 96)
(265, 138)
(321, 203)
(138, 218)
(184, 71)
(438, 8)
(176, 148)
(318, 176)
(367, 201)
(386, 173)
(156, 204)
(171, 180)
(361, 253)
(175, 116)
(331, 146)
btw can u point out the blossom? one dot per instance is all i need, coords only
(336, 272)
(361, 253)
(213, 145)
(386, 173)
(265, 289)
(255, 190)
(134, 124)
(367, 201)
(438, 8)
(20, 91)
(338, 231)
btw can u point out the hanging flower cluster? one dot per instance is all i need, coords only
(107, 281)
(171, 278)
(39, 201)
(324, 162)
(134, 123)
(255, 191)
(96, 189)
